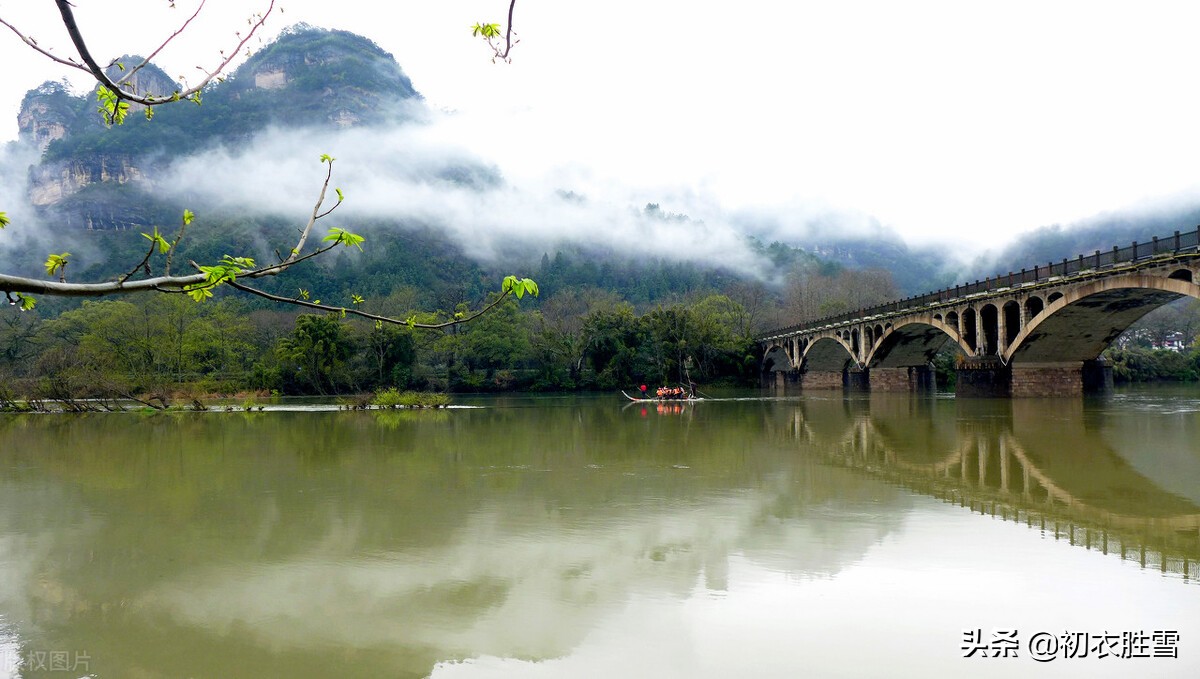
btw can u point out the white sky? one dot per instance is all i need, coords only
(948, 122)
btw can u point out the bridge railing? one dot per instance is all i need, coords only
(1100, 260)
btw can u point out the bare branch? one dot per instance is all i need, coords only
(90, 65)
(373, 317)
(178, 237)
(45, 52)
(171, 37)
(508, 43)
(491, 31)
(56, 288)
(145, 263)
(316, 214)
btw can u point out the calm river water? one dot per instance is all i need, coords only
(823, 536)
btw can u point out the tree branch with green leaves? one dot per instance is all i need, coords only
(233, 271)
(491, 33)
(116, 95)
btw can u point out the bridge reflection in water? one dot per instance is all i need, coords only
(1019, 460)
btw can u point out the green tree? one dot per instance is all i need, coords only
(314, 356)
(391, 354)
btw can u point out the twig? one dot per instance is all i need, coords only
(144, 263)
(364, 314)
(171, 37)
(90, 65)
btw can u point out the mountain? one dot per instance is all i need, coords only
(309, 77)
(1056, 242)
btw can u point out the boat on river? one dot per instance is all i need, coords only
(689, 399)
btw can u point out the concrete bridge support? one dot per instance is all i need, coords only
(857, 379)
(913, 379)
(782, 381)
(1047, 379)
(1024, 380)
(1097, 377)
(822, 379)
(983, 377)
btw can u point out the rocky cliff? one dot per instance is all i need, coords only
(46, 114)
(308, 77)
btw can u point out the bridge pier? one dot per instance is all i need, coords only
(983, 377)
(1047, 379)
(914, 378)
(1062, 379)
(822, 379)
(1097, 377)
(781, 381)
(857, 379)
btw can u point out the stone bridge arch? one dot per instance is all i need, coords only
(827, 354)
(1083, 321)
(777, 359)
(913, 343)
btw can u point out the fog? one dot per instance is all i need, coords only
(411, 174)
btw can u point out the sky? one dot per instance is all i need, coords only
(952, 123)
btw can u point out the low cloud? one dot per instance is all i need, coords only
(416, 174)
(25, 234)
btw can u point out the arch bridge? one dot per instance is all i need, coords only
(1037, 332)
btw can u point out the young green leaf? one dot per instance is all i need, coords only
(112, 109)
(519, 286)
(326, 158)
(339, 193)
(199, 292)
(26, 302)
(188, 216)
(56, 263)
(4, 221)
(344, 237)
(356, 299)
(163, 245)
(486, 30)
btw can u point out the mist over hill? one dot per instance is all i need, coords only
(246, 162)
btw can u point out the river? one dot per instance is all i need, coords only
(581, 536)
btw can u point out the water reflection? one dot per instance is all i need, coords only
(324, 544)
(1050, 464)
(396, 543)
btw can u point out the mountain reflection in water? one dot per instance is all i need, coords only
(571, 537)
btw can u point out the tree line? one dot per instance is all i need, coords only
(162, 348)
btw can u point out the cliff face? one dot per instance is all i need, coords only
(46, 115)
(329, 77)
(149, 80)
(51, 183)
(308, 77)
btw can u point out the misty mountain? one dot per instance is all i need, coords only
(246, 157)
(1102, 232)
